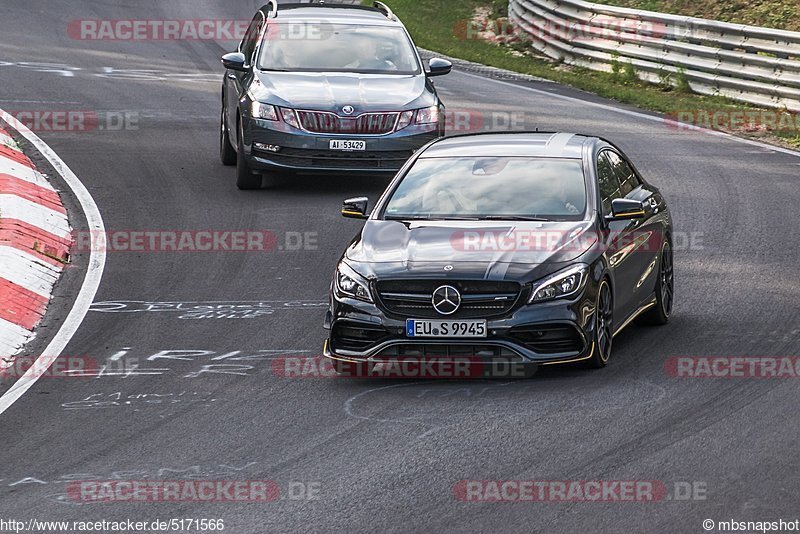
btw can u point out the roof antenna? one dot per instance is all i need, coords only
(537, 129)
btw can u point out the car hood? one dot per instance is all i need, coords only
(331, 91)
(491, 250)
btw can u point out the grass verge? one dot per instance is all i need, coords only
(782, 14)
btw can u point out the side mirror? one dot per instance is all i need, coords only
(439, 67)
(355, 208)
(234, 61)
(623, 209)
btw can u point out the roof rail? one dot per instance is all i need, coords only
(386, 10)
(523, 132)
(273, 8)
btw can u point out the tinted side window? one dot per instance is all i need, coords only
(250, 40)
(607, 181)
(628, 181)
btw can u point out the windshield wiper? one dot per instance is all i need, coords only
(511, 218)
(406, 218)
(426, 218)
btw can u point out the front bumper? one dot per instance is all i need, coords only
(301, 151)
(559, 331)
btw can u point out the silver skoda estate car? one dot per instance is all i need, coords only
(326, 88)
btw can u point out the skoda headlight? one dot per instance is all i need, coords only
(418, 116)
(259, 110)
(405, 119)
(290, 117)
(561, 284)
(428, 115)
(351, 284)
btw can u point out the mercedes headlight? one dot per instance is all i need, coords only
(561, 284)
(351, 284)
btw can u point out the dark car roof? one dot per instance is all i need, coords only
(331, 12)
(531, 144)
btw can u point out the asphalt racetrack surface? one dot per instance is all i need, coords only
(369, 454)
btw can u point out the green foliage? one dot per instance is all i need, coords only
(499, 8)
(629, 75)
(623, 72)
(616, 66)
(438, 25)
(782, 14)
(682, 82)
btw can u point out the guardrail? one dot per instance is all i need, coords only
(746, 63)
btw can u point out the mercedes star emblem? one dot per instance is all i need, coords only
(446, 300)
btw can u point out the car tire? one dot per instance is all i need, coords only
(227, 154)
(665, 290)
(603, 327)
(245, 178)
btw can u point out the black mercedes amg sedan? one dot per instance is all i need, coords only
(518, 247)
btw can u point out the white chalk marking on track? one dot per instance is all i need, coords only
(94, 272)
